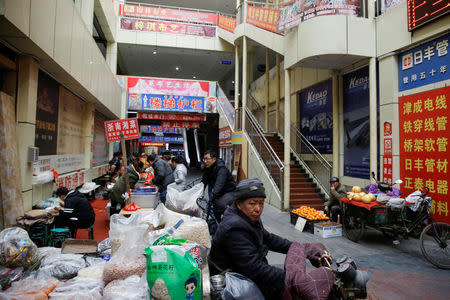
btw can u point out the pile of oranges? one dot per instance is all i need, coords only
(309, 213)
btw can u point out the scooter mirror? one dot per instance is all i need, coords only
(398, 181)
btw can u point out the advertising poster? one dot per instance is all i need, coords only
(167, 27)
(46, 138)
(164, 86)
(227, 23)
(264, 18)
(424, 64)
(356, 124)
(169, 103)
(152, 12)
(100, 145)
(316, 116)
(424, 149)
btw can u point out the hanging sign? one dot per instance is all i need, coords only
(157, 129)
(264, 18)
(171, 103)
(127, 127)
(175, 124)
(172, 117)
(227, 23)
(167, 27)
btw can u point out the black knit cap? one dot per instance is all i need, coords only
(249, 188)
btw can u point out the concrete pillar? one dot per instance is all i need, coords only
(371, 9)
(373, 113)
(244, 79)
(124, 107)
(266, 113)
(236, 82)
(86, 10)
(277, 96)
(250, 56)
(336, 135)
(111, 56)
(287, 139)
(28, 72)
(89, 136)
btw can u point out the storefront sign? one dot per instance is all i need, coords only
(167, 14)
(356, 124)
(165, 86)
(175, 124)
(126, 127)
(421, 12)
(316, 116)
(387, 156)
(303, 10)
(171, 117)
(150, 144)
(225, 136)
(156, 129)
(167, 27)
(172, 103)
(264, 18)
(424, 64)
(227, 23)
(226, 106)
(424, 149)
(60, 163)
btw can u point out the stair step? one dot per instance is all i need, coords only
(307, 189)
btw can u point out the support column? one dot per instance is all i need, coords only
(371, 10)
(89, 136)
(244, 80)
(86, 10)
(266, 115)
(277, 96)
(236, 84)
(287, 139)
(111, 56)
(336, 136)
(373, 114)
(250, 57)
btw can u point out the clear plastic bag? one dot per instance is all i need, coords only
(239, 287)
(120, 226)
(78, 288)
(17, 249)
(61, 266)
(104, 247)
(48, 251)
(186, 201)
(130, 288)
(30, 288)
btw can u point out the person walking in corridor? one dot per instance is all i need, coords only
(163, 175)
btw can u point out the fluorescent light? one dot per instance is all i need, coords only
(194, 77)
(155, 52)
(177, 68)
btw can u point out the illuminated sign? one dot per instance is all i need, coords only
(421, 12)
(149, 144)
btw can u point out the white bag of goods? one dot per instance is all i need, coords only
(186, 201)
(78, 288)
(130, 288)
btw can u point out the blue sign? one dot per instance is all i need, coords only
(162, 139)
(173, 103)
(316, 116)
(356, 124)
(424, 64)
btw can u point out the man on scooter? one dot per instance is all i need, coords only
(333, 206)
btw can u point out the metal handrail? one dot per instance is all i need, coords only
(254, 106)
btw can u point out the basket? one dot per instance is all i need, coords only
(294, 218)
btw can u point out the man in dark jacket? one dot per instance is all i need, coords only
(333, 206)
(76, 212)
(220, 182)
(163, 175)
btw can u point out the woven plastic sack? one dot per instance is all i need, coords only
(186, 201)
(17, 249)
(78, 288)
(239, 287)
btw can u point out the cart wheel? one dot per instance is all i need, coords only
(354, 227)
(434, 244)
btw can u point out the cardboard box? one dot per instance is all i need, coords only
(327, 230)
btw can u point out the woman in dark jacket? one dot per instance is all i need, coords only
(119, 187)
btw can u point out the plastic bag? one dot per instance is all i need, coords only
(44, 177)
(120, 226)
(186, 201)
(104, 247)
(48, 203)
(130, 288)
(61, 266)
(30, 289)
(17, 249)
(7, 275)
(414, 200)
(396, 203)
(93, 261)
(172, 270)
(48, 251)
(239, 287)
(78, 288)
(94, 272)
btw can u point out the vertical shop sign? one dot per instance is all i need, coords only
(316, 116)
(387, 155)
(424, 64)
(264, 18)
(46, 138)
(126, 127)
(356, 124)
(424, 149)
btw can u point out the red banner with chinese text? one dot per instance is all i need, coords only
(167, 27)
(227, 23)
(175, 124)
(128, 127)
(264, 18)
(171, 116)
(424, 149)
(167, 14)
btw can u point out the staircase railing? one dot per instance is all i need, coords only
(256, 109)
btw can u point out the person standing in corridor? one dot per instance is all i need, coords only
(163, 175)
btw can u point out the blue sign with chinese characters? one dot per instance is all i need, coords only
(424, 64)
(157, 129)
(173, 103)
(162, 139)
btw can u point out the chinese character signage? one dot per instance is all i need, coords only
(264, 18)
(225, 136)
(165, 86)
(172, 103)
(424, 64)
(424, 149)
(171, 117)
(157, 129)
(127, 127)
(227, 23)
(175, 124)
(421, 12)
(167, 27)
(356, 124)
(168, 14)
(71, 181)
(162, 139)
(316, 116)
(302, 10)
(387, 156)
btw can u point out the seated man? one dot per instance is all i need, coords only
(76, 211)
(241, 245)
(332, 206)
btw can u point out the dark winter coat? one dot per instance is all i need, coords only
(219, 178)
(119, 187)
(336, 195)
(77, 206)
(242, 245)
(163, 174)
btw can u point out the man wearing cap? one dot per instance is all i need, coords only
(241, 245)
(332, 206)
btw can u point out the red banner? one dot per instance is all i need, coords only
(127, 127)
(264, 18)
(172, 117)
(387, 155)
(227, 23)
(424, 150)
(167, 14)
(225, 136)
(170, 124)
(167, 27)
